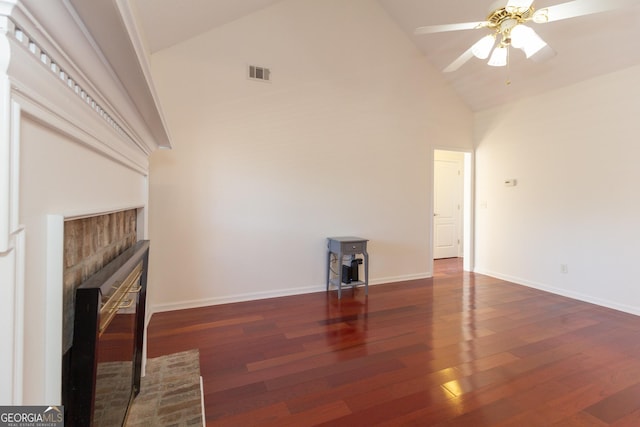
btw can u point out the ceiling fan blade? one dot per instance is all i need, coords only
(429, 29)
(577, 8)
(519, 4)
(460, 61)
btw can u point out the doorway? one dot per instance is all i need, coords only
(452, 201)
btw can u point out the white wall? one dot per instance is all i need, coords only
(574, 153)
(339, 143)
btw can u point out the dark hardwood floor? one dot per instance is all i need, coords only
(460, 349)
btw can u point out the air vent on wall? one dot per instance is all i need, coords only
(259, 73)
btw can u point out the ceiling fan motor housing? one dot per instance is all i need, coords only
(504, 19)
(507, 18)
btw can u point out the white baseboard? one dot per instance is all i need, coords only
(205, 302)
(403, 278)
(563, 292)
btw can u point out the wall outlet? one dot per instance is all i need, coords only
(564, 268)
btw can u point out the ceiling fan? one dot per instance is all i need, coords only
(506, 24)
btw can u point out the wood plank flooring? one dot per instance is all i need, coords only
(460, 349)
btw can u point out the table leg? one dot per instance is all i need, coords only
(339, 273)
(366, 273)
(328, 268)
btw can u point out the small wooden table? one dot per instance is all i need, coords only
(341, 246)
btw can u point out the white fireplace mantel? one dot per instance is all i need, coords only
(78, 121)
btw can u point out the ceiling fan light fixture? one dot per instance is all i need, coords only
(482, 48)
(523, 37)
(519, 36)
(499, 57)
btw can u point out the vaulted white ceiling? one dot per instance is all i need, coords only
(167, 22)
(586, 46)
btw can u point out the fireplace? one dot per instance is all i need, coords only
(75, 142)
(106, 355)
(104, 289)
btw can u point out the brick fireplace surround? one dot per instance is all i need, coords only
(90, 244)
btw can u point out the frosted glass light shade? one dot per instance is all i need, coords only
(519, 35)
(498, 57)
(482, 48)
(523, 37)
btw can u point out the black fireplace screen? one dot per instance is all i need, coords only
(106, 354)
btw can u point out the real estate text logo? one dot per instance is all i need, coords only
(31, 416)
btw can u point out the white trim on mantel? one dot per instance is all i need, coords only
(43, 83)
(60, 32)
(11, 236)
(54, 276)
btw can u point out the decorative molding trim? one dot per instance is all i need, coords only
(68, 103)
(125, 7)
(45, 59)
(19, 316)
(6, 156)
(12, 237)
(14, 165)
(83, 98)
(8, 333)
(52, 40)
(40, 110)
(6, 6)
(96, 64)
(12, 315)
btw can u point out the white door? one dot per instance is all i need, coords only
(447, 208)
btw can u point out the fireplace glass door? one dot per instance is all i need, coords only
(114, 372)
(106, 355)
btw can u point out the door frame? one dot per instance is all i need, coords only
(468, 214)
